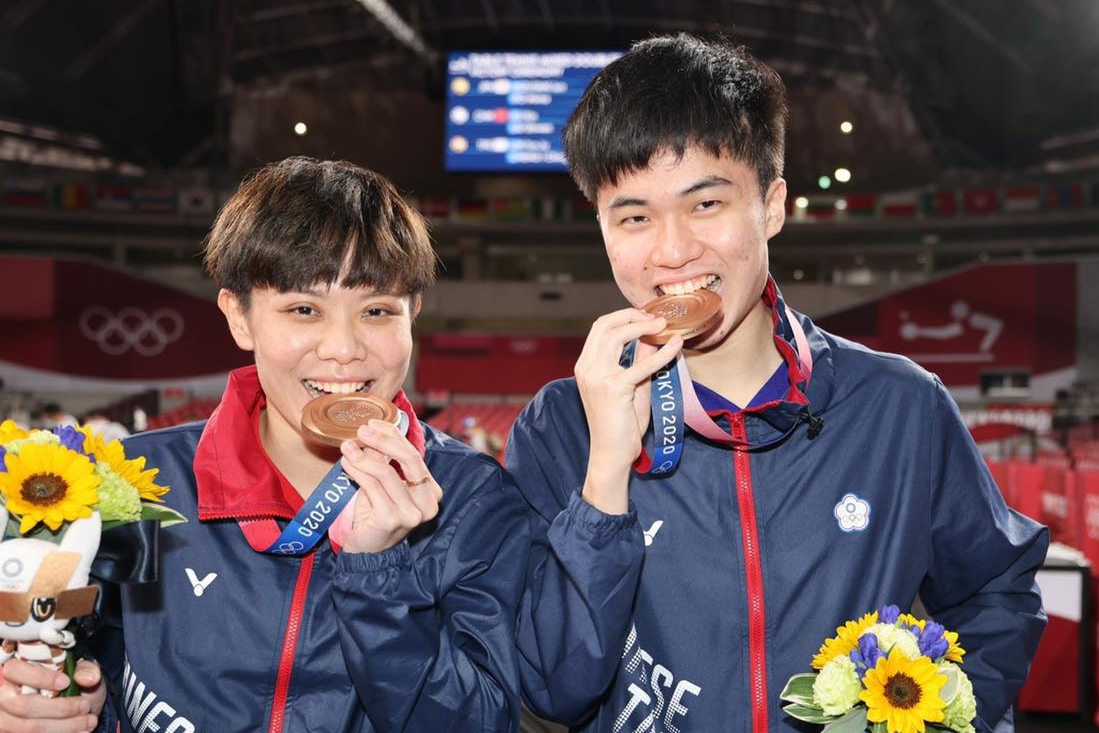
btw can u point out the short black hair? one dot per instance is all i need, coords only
(301, 222)
(670, 93)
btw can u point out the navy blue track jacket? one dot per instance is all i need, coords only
(690, 613)
(419, 637)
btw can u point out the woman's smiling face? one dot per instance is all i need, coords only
(322, 340)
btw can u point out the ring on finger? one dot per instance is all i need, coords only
(419, 481)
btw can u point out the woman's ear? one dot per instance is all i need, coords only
(237, 319)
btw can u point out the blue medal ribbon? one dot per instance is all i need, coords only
(666, 409)
(316, 515)
(320, 510)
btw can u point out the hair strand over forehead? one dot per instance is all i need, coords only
(671, 93)
(301, 222)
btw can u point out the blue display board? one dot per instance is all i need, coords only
(505, 109)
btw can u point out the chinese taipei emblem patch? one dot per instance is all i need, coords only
(852, 513)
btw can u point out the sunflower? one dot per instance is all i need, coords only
(9, 431)
(131, 471)
(910, 620)
(904, 693)
(48, 483)
(845, 640)
(954, 653)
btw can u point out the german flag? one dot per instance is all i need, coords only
(471, 209)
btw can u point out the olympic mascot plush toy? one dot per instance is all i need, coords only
(42, 586)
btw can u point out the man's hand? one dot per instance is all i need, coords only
(616, 400)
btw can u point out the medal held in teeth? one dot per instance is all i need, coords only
(688, 315)
(334, 418)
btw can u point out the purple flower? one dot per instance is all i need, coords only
(889, 614)
(3, 466)
(932, 642)
(867, 655)
(72, 439)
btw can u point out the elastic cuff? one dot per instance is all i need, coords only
(596, 520)
(359, 562)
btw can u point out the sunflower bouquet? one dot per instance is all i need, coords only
(68, 497)
(51, 477)
(887, 672)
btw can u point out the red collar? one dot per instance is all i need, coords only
(235, 477)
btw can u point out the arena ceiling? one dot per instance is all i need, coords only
(937, 86)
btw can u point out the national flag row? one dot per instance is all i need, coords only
(503, 209)
(25, 193)
(1036, 198)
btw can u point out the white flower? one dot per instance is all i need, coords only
(837, 687)
(890, 636)
(961, 711)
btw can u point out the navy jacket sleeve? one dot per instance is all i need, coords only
(584, 568)
(431, 647)
(984, 557)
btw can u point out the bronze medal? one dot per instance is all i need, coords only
(688, 315)
(334, 418)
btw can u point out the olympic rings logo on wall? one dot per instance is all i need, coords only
(148, 334)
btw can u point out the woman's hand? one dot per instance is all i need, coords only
(21, 713)
(386, 507)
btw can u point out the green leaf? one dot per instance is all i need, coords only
(878, 728)
(39, 531)
(853, 721)
(799, 689)
(808, 713)
(165, 515)
(12, 528)
(70, 667)
(953, 684)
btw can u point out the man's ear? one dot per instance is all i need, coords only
(775, 204)
(235, 316)
(416, 303)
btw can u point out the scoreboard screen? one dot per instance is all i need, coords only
(505, 109)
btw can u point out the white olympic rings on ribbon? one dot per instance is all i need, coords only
(289, 548)
(148, 334)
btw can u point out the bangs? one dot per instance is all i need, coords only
(307, 224)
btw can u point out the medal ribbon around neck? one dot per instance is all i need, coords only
(320, 510)
(674, 405)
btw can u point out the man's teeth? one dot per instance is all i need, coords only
(334, 387)
(690, 285)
